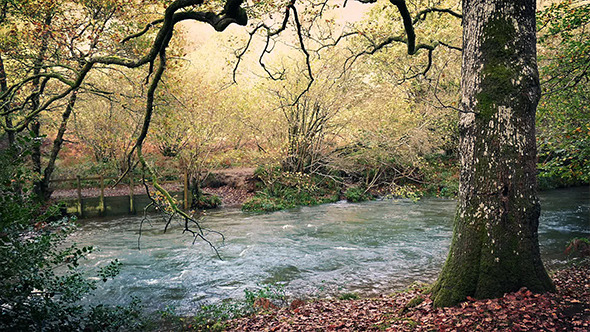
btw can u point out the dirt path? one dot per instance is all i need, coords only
(234, 186)
(119, 190)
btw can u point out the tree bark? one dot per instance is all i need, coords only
(7, 117)
(495, 246)
(44, 191)
(35, 101)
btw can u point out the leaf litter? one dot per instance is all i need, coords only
(566, 310)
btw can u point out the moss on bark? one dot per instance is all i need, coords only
(500, 69)
(495, 244)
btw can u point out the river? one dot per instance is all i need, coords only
(369, 248)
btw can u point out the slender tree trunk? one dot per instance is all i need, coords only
(43, 184)
(7, 117)
(35, 128)
(35, 124)
(495, 246)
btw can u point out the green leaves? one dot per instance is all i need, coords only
(41, 284)
(110, 271)
(563, 123)
(284, 190)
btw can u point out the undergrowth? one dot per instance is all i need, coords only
(213, 317)
(284, 190)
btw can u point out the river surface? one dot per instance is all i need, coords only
(369, 248)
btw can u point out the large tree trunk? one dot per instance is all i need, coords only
(495, 246)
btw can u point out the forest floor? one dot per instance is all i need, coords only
(566, 310)
(238, 185)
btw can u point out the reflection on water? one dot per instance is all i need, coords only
(370, 248)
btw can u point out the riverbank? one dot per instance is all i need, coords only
(566, 310)
(234, 186)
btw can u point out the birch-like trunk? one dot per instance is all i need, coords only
(495, 246)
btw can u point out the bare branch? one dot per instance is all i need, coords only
(421, 15)
(307, 56)
(442, 104)
(142, 32)
(240, 55)
(460, 49)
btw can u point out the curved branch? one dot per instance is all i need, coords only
(421, 15)
(410, 39)
(307, 56)
(460, 49)
(241, 54)
(408, 24)
(142, 32)
(430, 50)
(337, 40)
(232, 13)
(376, 47)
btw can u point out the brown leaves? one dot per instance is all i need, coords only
(296, 304)
(569, 310)
(264, 304)
(522, 310)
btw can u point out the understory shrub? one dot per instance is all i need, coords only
(213, 317)
(407, 191)
(441, 176)
(284, 190)
(41, 283)
(206, 201)
(357, 194)
(579, 246)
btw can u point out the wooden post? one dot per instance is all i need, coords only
(101, 207)
(131, 205)
(79, 189)
(186, 206)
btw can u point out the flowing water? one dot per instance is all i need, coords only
(368, 248)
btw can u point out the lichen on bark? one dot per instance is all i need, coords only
(495, 243)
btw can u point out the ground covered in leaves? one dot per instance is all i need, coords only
(566, 310)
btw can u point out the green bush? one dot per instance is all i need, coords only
(441, 176)
(207, 201)
(579, 246)
(357, 194)
(284, 190)
(405, 192)
(261, 202)
(213, 317)
(563, 124)
(41, 284)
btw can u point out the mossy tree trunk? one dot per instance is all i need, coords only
(495, 246)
